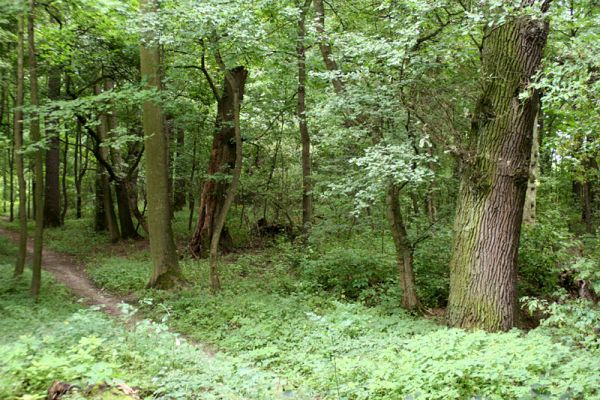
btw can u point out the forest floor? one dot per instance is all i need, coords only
(280, 333)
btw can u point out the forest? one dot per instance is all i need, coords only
(299, 199)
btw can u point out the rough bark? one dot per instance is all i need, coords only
(494, 179)
(18, 145)
(166, 272)
(222, 161)
(232, 80)
(307, 200)
(52, 187)
(34, 129)
(404, 249)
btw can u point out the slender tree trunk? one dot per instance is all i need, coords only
(109, 210)
(191, 194)
(529, 210)
(166, 272)
(80, 165)
(65, 193)
(18, 145)
(586, 201)
(325, 48)
(52, 188)
(12, 182)
(179, 191)
(99, 211)
(494, 179)
(307, 199)
(222, 160)
(404, 249)
(34, 129)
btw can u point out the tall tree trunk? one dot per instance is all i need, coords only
(404, 249)
(166, 272)
(99, 212)
(65, 194)
(529, 210)
(18, 145)
(191, 194)
(494, 179)
(586, 202)
(222, 161)
(52, 188)
(36, 280)
(80, 166)
(108, 205)
(307, 199)
(325, 48)
(179, 191)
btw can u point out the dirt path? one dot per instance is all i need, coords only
(71, 273)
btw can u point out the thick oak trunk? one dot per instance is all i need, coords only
(494, 179)
(222, 162)
(166, 272)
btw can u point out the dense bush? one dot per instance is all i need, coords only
(348, 271)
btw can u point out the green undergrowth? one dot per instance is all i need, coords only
(56, 339)
(343, 336)
(324, 336)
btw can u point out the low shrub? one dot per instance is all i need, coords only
(348, 272)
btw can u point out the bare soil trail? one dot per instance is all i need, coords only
(71, 273)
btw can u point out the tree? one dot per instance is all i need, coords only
(18, 139)
(38, 161)
(307, 205)
(52, 188)
(222, 160)
(495, 174)
(166, 272)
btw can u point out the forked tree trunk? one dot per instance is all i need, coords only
(34, 129)
(52, 188)
(18, 139)
(222, 162)
(232, 190)
(166, 272)
(494, 179)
